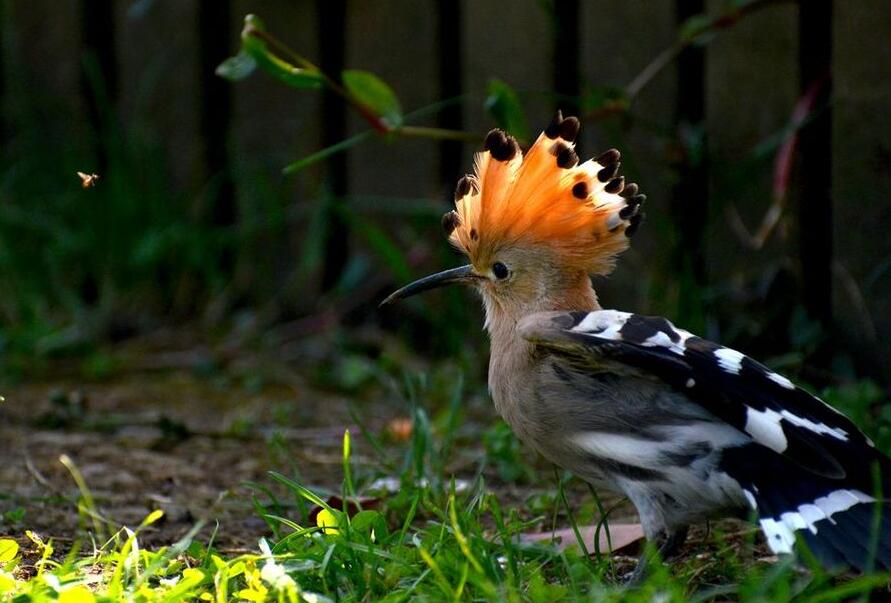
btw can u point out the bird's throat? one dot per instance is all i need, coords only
(501, 318)
(513, 359)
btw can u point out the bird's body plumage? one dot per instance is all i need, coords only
(690, 430)
(620, 429)
(685, 428)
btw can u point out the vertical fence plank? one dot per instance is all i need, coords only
(449, 29)
(815, 161)
(861, 179)
(510, 41)
(566, 55)
(398, 42)
(331, 16)
(271, 121)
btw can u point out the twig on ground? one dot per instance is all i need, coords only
(40, 478)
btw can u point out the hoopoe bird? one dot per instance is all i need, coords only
(686, 429)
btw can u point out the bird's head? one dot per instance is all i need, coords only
(536, 226)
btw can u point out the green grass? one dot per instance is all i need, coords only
(434, 538)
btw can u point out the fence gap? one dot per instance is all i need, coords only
(331, 16)
(449, 29)
(815, 162)
(99, 71)
(566, 56)
(4, 104)
(214, 29)
(689, 200)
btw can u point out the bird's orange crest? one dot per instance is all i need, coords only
(584, 212)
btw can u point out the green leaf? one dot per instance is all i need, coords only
(374, 94)
(255, 22)
(602, 98)
(237, 68)
(255, 46)
(7, 583)
(191, 577)
(9, 548)
(693, 27)
(364, 521)
(371, 523)
(504, 106)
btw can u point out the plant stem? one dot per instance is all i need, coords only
(653, 68)
(435, 133)
(724, 20)
(282, 48)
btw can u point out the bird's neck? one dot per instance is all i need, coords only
(575, 295)
(511, 355)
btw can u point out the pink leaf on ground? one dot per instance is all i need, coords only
(623, 535)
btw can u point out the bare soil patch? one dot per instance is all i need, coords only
(173, 441)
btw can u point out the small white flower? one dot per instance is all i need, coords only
(273, 573)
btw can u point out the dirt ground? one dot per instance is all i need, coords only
(171, 441)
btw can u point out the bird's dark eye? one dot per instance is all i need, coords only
(500, 270)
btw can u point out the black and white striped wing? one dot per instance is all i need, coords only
(806, 469)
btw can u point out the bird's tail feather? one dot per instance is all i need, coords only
(842, 527)
(845, 522)
(859, 537)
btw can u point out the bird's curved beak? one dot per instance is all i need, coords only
(463, 274)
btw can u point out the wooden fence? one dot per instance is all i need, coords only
(156, 60)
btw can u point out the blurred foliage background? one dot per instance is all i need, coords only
(269, 201)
